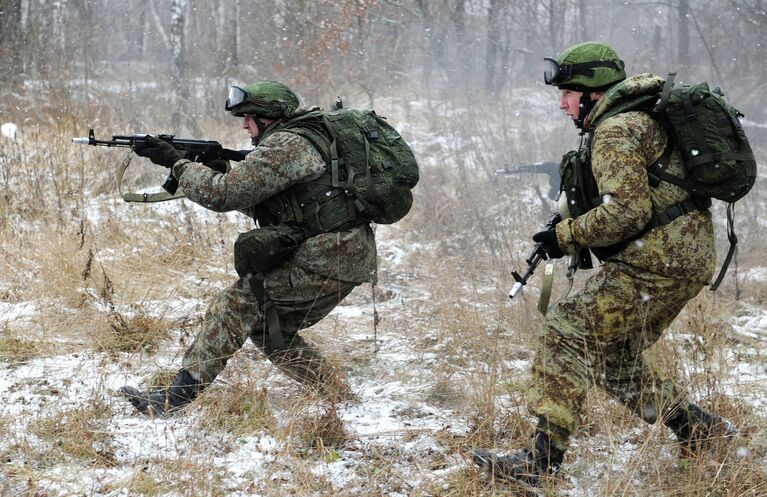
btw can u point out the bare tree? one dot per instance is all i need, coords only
(11, 40)
(683, 52)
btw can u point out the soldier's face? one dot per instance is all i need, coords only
(569, 102)
(250, 124)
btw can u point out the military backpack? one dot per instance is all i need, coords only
(368, 160)
(717, 156)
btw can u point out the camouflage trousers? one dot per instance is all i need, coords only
(301, 298)
(598, 337)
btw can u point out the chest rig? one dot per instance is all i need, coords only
(579, 186)
(315, 206)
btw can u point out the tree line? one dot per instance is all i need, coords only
(437, 48)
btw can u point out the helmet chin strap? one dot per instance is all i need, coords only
(585, 106)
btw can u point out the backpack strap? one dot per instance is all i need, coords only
(656, 173)
(733, 250)
(334, 159)
(665, 94)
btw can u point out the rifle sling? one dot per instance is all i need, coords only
(548, 281)
(733, 250)
(139, 197)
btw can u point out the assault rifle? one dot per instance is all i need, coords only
(207, 152)
(551, 169)
(537, 255)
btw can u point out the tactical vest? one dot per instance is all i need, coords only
(289, 217)
(315, 206)
(578, 184)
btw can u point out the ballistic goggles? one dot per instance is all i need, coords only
(555, 74)
(259, 105)
(236, 96)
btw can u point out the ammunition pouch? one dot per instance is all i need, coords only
(260, 249)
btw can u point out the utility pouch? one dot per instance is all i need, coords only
(578, 185)
(260, 249)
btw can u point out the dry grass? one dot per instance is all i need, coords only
(317, 431)
(18, 350)
(239, 409)
(136, 334)
(105, 276)
(78, 433)
(177, 477)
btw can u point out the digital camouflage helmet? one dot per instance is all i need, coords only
(591, 66)
(267, 99)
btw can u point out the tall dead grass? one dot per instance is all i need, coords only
(92, 265)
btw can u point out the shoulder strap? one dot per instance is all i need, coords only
(140, 197)
(665, 94)
(733, 250)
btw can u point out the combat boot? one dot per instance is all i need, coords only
(160, 402)
(698, 430)
(525, 465)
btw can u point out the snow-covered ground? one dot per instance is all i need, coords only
(407, 431)
(396, 431)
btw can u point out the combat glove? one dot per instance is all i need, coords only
(158, 151)
(548, 241)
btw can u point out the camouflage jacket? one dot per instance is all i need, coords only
(279, 162)
(622, 147)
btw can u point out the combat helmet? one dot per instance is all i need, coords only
(267, 99)
(592, 66)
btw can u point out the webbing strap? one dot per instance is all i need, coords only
(334, 160)
(270, 312)
(334, 164)
(718, 157)
(139, 197)
(368, 175)
(733, 250)
(665, 93)
(661, 219)
(577, 261)
(656, 172)
(548, 281)
(675, 211)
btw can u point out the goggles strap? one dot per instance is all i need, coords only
(566, 71)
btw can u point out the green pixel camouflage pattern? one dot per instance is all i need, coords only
(304, 288)
(599, 335)
(623, 146)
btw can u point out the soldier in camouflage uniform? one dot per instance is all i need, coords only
(303, 287)
(657, 249)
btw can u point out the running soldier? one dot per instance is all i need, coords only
(657, 247)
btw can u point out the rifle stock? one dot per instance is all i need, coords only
(551, 169)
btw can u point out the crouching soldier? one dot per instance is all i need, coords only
(310, 251)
